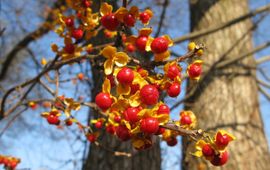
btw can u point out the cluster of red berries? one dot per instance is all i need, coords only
(9, 162)
(53, 118)
(111, 22)
(215, 151)
(148, 95)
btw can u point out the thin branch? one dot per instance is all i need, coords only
(194, 134)
(40, 31)
(47, 87)
(11, 121)
(265, 94)
(162, 17)
(235, 59)
(210, 30)
(262, 60)
(263, 83)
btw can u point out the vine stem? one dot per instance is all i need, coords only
(124, 3)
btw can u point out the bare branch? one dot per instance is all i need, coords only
(40, 31)
(222, 26)
(263, 59)
(162, 17)
(235, 59)
(263, 83)
(267, 95)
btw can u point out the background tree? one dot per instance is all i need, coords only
(227, 96)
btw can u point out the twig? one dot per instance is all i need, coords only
(262, 60)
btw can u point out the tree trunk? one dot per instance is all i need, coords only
(227, 98)
(101, 159)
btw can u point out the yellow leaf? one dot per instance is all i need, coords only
(139, 80)
(138, 143)
(93, 121)
(136, 130)
(198, 154)
(134, 11)
(105, 9)
(200, 144)
(121, 59)
(108, 67)
(122, 89)
(162, 118)
(45, 114)
(108, 52)
(145, 31)
(148, 44)
(131, 39)
(120, 13)
(43, 61)
(162, 56)
(106, 87)
(150, 13)
(135, 100)
(170, 42)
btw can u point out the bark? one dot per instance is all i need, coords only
(100, 159)
(227, 98)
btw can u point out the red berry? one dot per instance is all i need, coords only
(91, 138)
(194, 70)
(220, 159)
(207, 150)
(68, 122)
(13, 164)
(98, 124)
(111, 78)
(141, 43)
(110, 22)
(86, 3)
(160, 131)
(159, 45)
(173, 71)
(172, 141)
(124, 37)
(149, 94)
(117, 118)
(185, 120)
(149, 125)
(79, 15)
(103, 100)
(163, 109)
(222, 140)
(53, 119)
(144, 17)
(110, 129)
(80, 76)
(69, 22)
(69, 48)
(125, 76)
(174, 90)
(134, 88)
(131, 114)
(129, 20)
(130, 48)
(77, 33)
(123, 133)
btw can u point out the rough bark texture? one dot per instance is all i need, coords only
(101, 159)
(227, 98)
